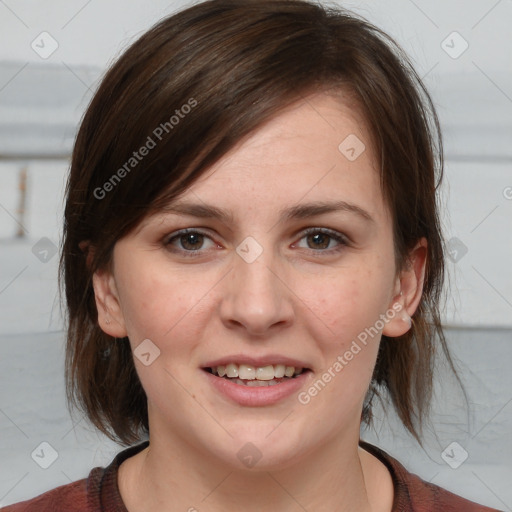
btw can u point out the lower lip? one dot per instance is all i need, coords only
(257, 396)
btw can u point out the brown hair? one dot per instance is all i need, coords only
(235, 64)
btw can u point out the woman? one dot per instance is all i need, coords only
(252, 252)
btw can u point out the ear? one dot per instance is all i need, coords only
(110, 315)
(410, 283)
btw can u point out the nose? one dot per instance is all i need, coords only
(257, 297)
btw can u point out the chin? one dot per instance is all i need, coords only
(265, 449)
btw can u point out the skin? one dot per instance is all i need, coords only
(299, 298)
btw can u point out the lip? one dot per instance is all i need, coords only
(257, 396)
(269, 359)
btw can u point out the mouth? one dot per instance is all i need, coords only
(256, 376)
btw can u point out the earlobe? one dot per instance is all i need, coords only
(399, 319)
(410, 284)
(110, 315)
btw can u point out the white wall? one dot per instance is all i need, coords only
(92, 32)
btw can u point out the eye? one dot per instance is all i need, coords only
(191, 241)
(319, 239)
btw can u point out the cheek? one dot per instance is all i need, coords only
(347, 303)
(158, 303)
(349, 347)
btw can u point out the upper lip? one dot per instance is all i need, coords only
(270, 359)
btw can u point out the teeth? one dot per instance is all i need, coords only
(255, 382)
(246, 372)
(289, 371)
(256, 373)
(265, 373)
(279, 370)
(232, 370)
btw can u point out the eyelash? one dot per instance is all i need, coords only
(338, 237)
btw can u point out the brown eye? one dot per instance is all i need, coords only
(188, 242)
(324, 240)
(319, 241)
(191, 241)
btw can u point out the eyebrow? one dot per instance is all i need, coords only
(301, 211)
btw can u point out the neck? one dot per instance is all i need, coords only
(171, 473)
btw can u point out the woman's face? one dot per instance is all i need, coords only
(254, 288)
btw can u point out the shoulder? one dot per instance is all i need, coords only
(96, 493)
(71, 497)
(412, 494)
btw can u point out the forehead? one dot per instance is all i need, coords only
(309, 129)
(314, 157)
(317, 149)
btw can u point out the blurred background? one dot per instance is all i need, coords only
(52, 56)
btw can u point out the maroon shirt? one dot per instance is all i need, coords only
(100, 493)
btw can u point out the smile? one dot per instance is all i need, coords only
(256, 376)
